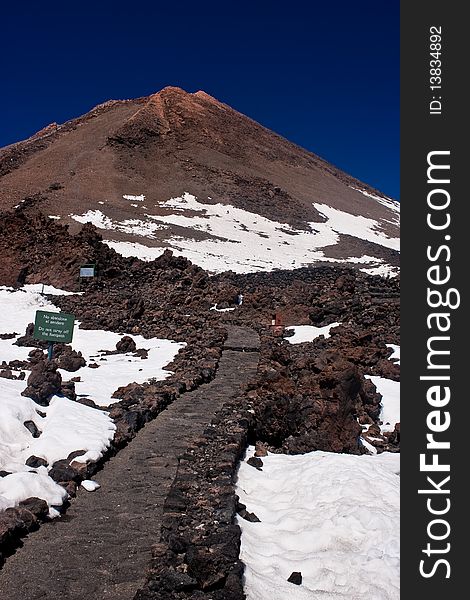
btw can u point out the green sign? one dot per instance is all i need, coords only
(53, 326)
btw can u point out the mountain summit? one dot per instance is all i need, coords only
(185, 171)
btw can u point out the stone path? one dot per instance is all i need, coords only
(101, 548)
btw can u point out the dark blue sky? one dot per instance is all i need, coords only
(323, 74)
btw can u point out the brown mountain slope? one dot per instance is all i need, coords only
(174, 142)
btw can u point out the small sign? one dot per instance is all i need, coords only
(53, 326)
(88, 271)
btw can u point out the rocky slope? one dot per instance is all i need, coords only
(246, 199)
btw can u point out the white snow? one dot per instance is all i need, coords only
(66, 427)
(96, 218)
(222, 309)
(117, 370)
(139, 227)
(70, 426)
(382, 270)
(357, 226)
(333, 517)
(146, 253)
(89, 485)
(243, 241)
(133, 226)
(307, 333)
(139, 198)
(372, 449)
(18, 486)
(390, 390)
(47, 289)
(55, 217)
(18, 309)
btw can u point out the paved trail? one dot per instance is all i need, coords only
(101, 548)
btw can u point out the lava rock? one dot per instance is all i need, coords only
(43, 382)
(36, 461)
(295, 577)
(7, 374)
(256, 462)
(62, 471)
(126, 344)
(249, 516)
(68, 359)
(37, 506)
(32, 428)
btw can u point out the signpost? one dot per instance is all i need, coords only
(87, 271)
(53, 327)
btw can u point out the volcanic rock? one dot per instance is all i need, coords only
(68, 359)
(43, 382)
(37, 506)
(295, 577)
(36, 461)
(32, 428)
(62, 471)
(126, 344)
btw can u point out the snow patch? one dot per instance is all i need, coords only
(139, 198)
(47, 289)
(18, 486)
(357, 226)
(132, 226)
(244, 242)
(382, 270)
(389, 203)
(96, 218)
(116, 370)
(307, 333)
(390, 390)
(89, 485)
(222, 309)
(333, 517)
(372, 449)
(66, 427)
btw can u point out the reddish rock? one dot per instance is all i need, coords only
(126, 344)
(43, 382)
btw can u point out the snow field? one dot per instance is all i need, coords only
(66, 426)
(243, 241)
(117, 370)
(333, 517)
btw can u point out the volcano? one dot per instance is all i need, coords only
(184, 171)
